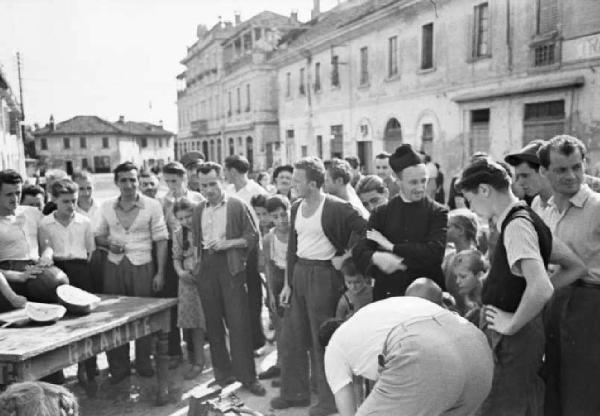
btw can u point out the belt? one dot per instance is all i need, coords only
(71, 260)
(309, 262)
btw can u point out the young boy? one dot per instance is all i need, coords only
(469, 267)
(275, 244)
(69, 234)
(265, 219)
(358, 294)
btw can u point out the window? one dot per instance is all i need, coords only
(364, 65)
(84, 163)
(289, 134)
(479, 135)
(337, 141)
(102, 164)
(230, 108)
(547, 16)
(481, 32)
(304, 150)
(82, 142)
(160, 142)
(247, 97)
(66, 143)
(143, 142)
(288, 84)
(43, 143)
(545, 54)
(301, 88)
(543, 120)
(317, 76)
(231, 147)
(392, 56)
(105, 142)
(427, 138)
(427, 46)
(239, 101)
(335, 71)
(320, 146)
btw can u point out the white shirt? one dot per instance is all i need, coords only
(539, 207)
(354, 346)
(520, 241)
(357, 203)
(248, 191)
(313, 244)
(19, 234)
(93, 213)
(75, 241)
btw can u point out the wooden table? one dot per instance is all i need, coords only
(33, 351)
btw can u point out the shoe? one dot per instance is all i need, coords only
(193, 372)
(116, 379)
(318, 410)
(256, 388)
(279, 403)
(145, 372)
(276, 383)
(271, 372)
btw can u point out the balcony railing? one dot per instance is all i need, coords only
(199, 127)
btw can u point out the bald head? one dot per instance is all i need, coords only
(425, 288)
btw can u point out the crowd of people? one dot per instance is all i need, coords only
(481, 304)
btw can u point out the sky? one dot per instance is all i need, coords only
(111, 57)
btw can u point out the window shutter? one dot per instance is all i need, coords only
(470, 32)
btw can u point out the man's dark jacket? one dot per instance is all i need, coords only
(342, 224)
(418, 232)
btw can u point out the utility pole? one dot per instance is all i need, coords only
(20, 86)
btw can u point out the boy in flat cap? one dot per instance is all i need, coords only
(406, 237)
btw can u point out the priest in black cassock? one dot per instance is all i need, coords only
(406, 237)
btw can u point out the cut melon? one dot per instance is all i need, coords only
(44, 312)
(42, 288)
(77, 301)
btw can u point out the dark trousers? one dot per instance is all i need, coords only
(572, 366)
(129, 280)
(517, 388)
(80, 276)
(170, 290)
(253, 282)
(316, 289)
(97, 270)
(276, 282)
(225, 298)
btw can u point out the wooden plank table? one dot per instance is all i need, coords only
(34, 351)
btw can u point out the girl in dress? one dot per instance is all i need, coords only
(190, 315)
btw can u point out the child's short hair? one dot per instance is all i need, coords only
(64, 186)
(37, 398)
(258, 201)
(349, 268)
(277, 201)
(183, 204)
(473, 259)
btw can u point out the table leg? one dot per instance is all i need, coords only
(162, 368)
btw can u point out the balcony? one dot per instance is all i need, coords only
(238, 63)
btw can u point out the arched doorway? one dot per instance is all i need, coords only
(231, 146)
(205, 149)
(212, 150)
(392, 136)
(250, 151)
(219, 151)
(240, 146)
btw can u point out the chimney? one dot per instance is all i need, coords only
(121, 119)
(51, 123)
(314, 13)
(294, 16)
(238, 18)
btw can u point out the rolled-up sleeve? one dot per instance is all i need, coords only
(158, 226)
(337, 369)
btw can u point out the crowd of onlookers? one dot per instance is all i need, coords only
(514, 249)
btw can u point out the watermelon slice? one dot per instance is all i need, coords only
(44, 312)
(77, 301)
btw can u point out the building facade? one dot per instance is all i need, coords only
(227, 100)
(450, 77)
(12, 154)
(96, 145)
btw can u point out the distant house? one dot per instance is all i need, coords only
(97, 145)
(12, 154)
